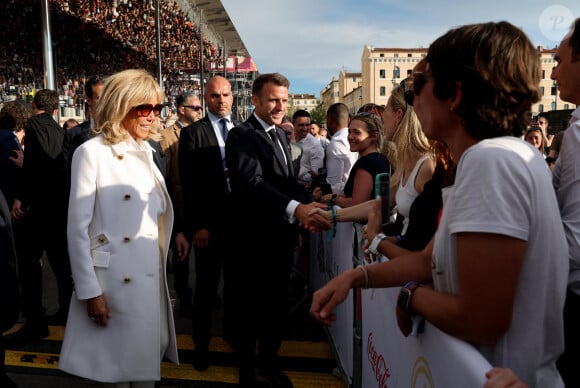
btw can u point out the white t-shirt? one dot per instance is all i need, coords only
(312, 158)
(502, 186)
(339, 160)
(567, 185)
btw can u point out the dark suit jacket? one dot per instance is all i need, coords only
(261, 190)
(43, 184)
(203, 182)
(9, 172)
(73, 138)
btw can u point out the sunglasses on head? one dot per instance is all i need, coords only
(196, 108)
(145, 110)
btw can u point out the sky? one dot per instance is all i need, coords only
(311, 41)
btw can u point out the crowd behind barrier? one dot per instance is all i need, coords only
(387, 358)
(99, 37)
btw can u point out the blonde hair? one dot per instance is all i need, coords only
(123, 91)
(409, 141)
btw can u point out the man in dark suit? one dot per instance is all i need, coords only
(76, 136)
(262, 232)
(205, 190)
(41, 206)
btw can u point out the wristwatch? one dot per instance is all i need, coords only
(405, 296)
(373, 248)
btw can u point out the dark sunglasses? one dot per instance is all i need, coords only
(145, 110)
(196, 108)
(419, 79)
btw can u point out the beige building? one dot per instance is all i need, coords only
(330, 94)
(383, 68)
(308, 102)
(550, 94)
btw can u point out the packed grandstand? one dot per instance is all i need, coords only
(100, 37)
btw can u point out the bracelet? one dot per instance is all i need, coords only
(332, 232)
(366, 273)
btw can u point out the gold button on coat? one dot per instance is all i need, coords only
(120, 157)
(127, 280)
(127, 239)
(127, 196)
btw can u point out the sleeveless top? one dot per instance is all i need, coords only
(407, 193)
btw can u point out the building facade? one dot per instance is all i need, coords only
(384, 68)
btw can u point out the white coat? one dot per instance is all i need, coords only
(117, 248)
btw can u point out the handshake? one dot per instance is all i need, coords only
(313, 216)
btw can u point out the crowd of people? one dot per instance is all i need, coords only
(477, 208)
(109, 36)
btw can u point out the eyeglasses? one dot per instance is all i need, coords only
(196, 108)
(145, 110)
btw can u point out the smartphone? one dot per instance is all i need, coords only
(383, 191)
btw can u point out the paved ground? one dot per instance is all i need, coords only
(306, 354)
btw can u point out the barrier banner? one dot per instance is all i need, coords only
(328, 258)
(430, 359)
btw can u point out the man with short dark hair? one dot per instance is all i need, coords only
(262, 231)
(312, 152)
(339, 157)
(82, 132)
(41, 206)
(567, 185)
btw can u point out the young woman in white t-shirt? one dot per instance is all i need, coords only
(498, 262)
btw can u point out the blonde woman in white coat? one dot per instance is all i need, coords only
(120, 323)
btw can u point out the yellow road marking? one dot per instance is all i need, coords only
(180, 372)
(301, 349)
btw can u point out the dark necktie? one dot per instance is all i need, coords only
(224, 128)
(278, 149)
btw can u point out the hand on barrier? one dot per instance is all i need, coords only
(503, 378)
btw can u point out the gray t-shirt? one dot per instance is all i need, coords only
(503, 187)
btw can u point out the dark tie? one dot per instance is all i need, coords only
(224, 128)
(278, 149)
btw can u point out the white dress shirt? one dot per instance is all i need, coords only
(566, 181)
(339, 160)
(312, 158)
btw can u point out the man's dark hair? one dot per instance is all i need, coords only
(545, 116)
(91, 82)
(574, 40)
(300, 113)
(276, 78)
(338, 112)
(180, 100)
(46, 100)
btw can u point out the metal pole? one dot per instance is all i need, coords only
(158, 38)
(202, 86)
(225, 58)
(49, 76)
